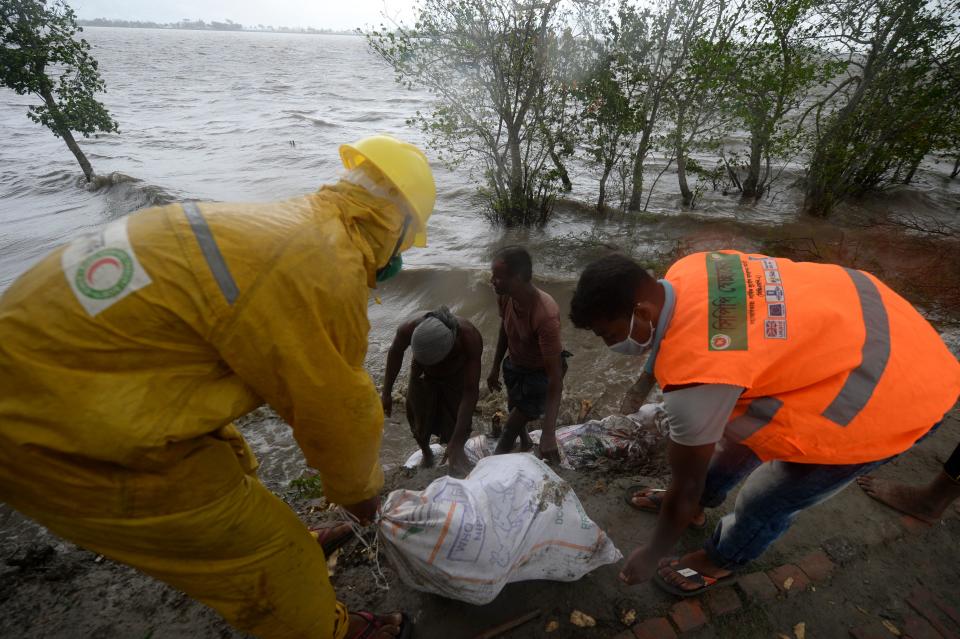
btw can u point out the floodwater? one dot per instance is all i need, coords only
(258, 116)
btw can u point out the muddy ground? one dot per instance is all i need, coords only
(50, 588)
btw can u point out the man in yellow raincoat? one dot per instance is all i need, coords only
(126, 355)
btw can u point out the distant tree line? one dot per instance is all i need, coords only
(200, 25)
(856, 92)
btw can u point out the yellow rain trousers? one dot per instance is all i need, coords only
(125, 357)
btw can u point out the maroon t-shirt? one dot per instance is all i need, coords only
(534, 334)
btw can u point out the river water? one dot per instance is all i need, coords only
(258, 116)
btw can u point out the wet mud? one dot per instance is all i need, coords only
(50, 588)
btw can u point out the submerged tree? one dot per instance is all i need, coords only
(896, 100)
(609, 92)
(492, 66)
(678, 92)
(703, 82)
(655, 64)
(40, 55)
(776, 67)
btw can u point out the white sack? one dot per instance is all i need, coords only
(624, 437)
(511, 519)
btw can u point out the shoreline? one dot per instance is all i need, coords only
(81, 594)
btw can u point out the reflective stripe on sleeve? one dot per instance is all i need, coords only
(208, 245)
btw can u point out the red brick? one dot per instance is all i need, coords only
(654, 628)
(913, 525)
(875, 630)
(757, 587)
(781, 574)
(723, 601)
(688, 615)
(816, 565)
(921, 600)
(919, 628)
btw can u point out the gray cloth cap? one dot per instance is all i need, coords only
(432, 341)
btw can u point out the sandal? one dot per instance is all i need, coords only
(332, 538)
(704, 582)
(373, 625)
(655, 497)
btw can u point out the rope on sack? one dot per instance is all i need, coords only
(379, 579)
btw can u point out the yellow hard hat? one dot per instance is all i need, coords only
(405, 166)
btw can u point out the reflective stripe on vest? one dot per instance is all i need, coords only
(861, 374)
(861, 382)
(759, 413)
(208, 245)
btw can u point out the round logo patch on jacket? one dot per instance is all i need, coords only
(104, 274)
(102, 269)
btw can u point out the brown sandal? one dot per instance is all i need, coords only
(655, 497)
(704, 582)
(373, 625)
(332, 538)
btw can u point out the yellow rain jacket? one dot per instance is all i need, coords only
(126, 355)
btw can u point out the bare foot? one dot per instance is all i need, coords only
(427, 461)
(503, 446)
(911, 500)
(698, 561)
(383, 625)
(525, 442)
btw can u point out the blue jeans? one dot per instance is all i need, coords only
(774, 494)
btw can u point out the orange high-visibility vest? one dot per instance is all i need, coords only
(838, 369)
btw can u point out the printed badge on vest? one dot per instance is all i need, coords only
(102, 268)
(727, 289)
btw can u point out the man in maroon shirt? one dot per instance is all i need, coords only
(533, 372)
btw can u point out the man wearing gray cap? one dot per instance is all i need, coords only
(444, 381)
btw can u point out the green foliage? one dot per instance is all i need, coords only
(698, 91)
(609, 112)
(860, 90)
(776, 66)
(495, 67)
(899, 101)
(716, 177)
(40, 55)
(308, 486)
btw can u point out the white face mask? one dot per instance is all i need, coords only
(631, 346)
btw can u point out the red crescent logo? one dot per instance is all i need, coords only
(103, 261)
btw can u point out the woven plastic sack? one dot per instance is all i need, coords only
(630, 439)
(511, 519)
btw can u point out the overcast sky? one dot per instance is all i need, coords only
(321, 14)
